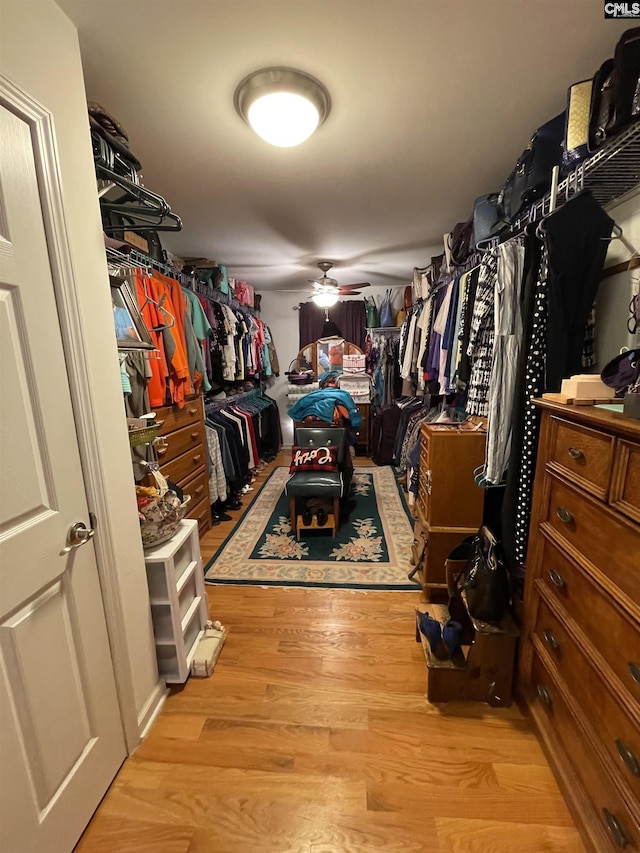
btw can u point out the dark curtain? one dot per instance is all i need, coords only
(349, 316)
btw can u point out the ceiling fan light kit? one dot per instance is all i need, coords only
(325, 299)
(282, 105)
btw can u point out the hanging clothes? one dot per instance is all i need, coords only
(481, 338)
(577, 238)
(154, 319)
(506, 350)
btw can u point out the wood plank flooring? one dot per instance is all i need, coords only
(313, 735)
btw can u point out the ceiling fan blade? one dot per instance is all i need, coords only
(352, 286)
(349, 292)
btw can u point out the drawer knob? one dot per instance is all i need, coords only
(628, 758)
(162, 449)
(550, 640)
(197, 458)
(634, 669)
(193, 411)
(615, 828)
(564, 515)
(194, 435)
(199, 489)
(556, 578)
(543, 695)
(575, 453)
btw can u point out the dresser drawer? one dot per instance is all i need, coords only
(625, 487)
(609, 542)
(197, 487)
(616, 637)
(610, 811)
(202, 514)
(583, 455)
(184, 466)
(618, 732)
(174, 418)
(180, 442)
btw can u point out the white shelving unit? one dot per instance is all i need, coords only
(178, 600)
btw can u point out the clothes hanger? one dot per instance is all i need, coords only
(152, 211)
(618, 234)
(159, 305)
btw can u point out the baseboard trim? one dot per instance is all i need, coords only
(152, 708)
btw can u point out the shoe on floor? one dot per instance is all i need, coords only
(307, 518)
(321, 517)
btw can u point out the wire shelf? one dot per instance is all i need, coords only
(610, 173)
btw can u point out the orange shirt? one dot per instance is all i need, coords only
(175, 346)
(153, 318)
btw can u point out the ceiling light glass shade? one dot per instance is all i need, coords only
(325, 300)
(282, 105)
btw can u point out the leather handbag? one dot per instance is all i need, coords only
(627, 82)
(408, 296)
(485, 216)
(460, 242)
(485, 581)
(542, 155)
(401, 316)
(387, 318)
(371, 310)
(530, 178)
(615, 96)
(602, 108)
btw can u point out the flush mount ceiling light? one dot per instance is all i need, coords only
(325, 299)
(282, 105)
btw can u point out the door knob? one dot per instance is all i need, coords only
(77, 535)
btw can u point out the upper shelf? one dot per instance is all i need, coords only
(610, 173)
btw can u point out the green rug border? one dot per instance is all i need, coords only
(408, 587)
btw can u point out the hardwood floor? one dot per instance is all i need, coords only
(313, 735)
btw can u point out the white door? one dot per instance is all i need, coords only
(61, 739)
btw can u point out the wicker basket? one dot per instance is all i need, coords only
(143, 436)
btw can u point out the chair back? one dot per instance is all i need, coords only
(321, 437)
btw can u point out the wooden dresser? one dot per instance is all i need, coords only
(580, 656)
(449, 504)
(185, 459)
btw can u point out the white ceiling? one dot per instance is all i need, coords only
(432, 102)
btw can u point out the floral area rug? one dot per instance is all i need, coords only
(371, 550)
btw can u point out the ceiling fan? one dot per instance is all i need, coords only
(326, 290)
(326, 284)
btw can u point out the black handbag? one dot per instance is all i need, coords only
(485, 216)
(530, 178)
(603, 107)
(627, 80)
(460, 242)
(542, 155)
(484, 580)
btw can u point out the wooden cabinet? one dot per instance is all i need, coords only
(184, 460)
(178, 600)
(363, 434)
(580, 657)
(449, 504)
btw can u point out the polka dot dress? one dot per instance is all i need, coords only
(535, 383)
